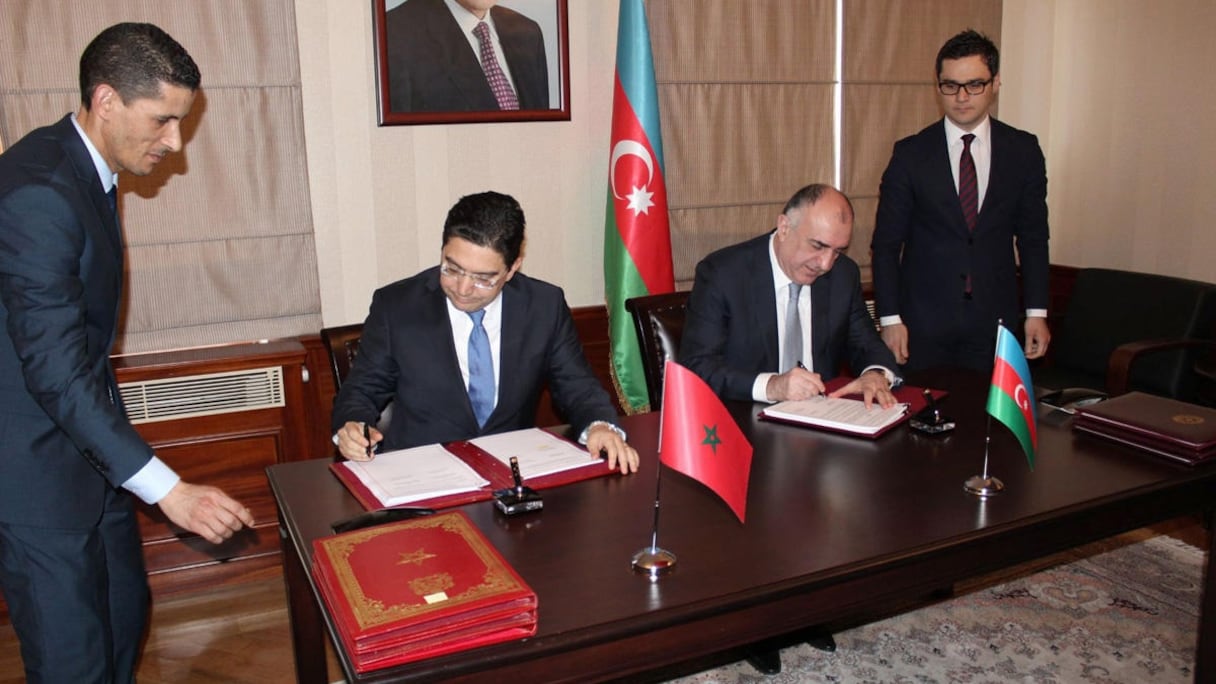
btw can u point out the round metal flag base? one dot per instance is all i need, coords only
(983, 486)
(653, 561)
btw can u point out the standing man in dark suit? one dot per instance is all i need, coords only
(742, 335)
(955, 201)
(441, 59)
(420, 348)
(71, 564)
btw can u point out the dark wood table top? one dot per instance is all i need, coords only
(836, 526)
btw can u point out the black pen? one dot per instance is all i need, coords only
(367, 434)
(802, 366)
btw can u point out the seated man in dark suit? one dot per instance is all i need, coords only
(464, 55)
(747, 334)
(756, 331)
(464, 348)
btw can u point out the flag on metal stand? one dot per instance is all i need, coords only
(1011, 401)
(1011, 397)
(699, 438)
(637, 238)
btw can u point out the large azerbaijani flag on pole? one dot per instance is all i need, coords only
(1011, 397)
(637, 239)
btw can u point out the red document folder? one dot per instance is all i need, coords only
(912, 397)
(492, 469)
(420, 588)
(1167, 427)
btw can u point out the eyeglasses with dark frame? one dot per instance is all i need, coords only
(480, 281)
(972, 87)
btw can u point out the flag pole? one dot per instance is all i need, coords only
(652, 560)
(984, 485)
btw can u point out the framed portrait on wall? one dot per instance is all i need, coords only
(471, 61)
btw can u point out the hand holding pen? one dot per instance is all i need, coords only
(797, 383)
(357, 441)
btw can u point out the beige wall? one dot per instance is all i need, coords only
(380, 194)
(1121, 93)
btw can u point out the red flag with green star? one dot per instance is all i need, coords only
(702, 440)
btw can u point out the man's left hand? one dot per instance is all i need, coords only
(872, 386)
(1037, 337)
(601, 438)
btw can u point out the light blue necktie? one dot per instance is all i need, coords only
(481, 370)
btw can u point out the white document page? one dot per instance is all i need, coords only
(539, 452)
(850, 415)
(406, 475)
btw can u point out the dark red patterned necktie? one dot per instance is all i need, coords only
(503, 92)
(968, 189)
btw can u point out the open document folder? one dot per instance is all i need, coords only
(456, 473)
(838, 415)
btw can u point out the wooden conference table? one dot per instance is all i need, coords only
(837, 528)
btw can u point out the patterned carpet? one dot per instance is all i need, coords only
(1126, 615)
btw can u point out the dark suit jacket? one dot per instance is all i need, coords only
(63, 439)
(730, 333)
(431, 67)
(407, 354)
(919, 213)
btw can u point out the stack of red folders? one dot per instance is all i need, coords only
(1177, 430)
(420, 588)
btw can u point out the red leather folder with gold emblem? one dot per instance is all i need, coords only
(420, 588)
(1167, 427)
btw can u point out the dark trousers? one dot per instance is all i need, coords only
(962, 338)
(78, 599)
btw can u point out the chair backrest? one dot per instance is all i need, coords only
(342, 343)
(659, 323)
(1108, 308)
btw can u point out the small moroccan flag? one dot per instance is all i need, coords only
(702, 440)
(637, 239)
(1011, 397)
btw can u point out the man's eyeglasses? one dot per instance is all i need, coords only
(972, 87)
(481, 282)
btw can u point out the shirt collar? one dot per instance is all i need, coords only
(780, 280)
(467, 20)
(493, 310)
(109, 179)
(955, 134)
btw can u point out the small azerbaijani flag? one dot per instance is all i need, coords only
(1011, 397)
(637, 239)
(700, 438)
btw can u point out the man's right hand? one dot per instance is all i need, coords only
(205, 511)
(353, 445)
(793, 385)
(895, 336)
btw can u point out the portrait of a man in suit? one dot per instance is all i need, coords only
(465, 56)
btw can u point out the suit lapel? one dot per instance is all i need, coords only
(511, 344)
(762, 301)
(939, 175)
(998, 169)
(821, 298)
(443, 341)
(452, 47)
(102, 224)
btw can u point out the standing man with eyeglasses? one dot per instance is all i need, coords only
(463, 349)
(957, 200)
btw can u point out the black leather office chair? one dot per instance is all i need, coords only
(659, 323)
(1124, 331)
(342, 343)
